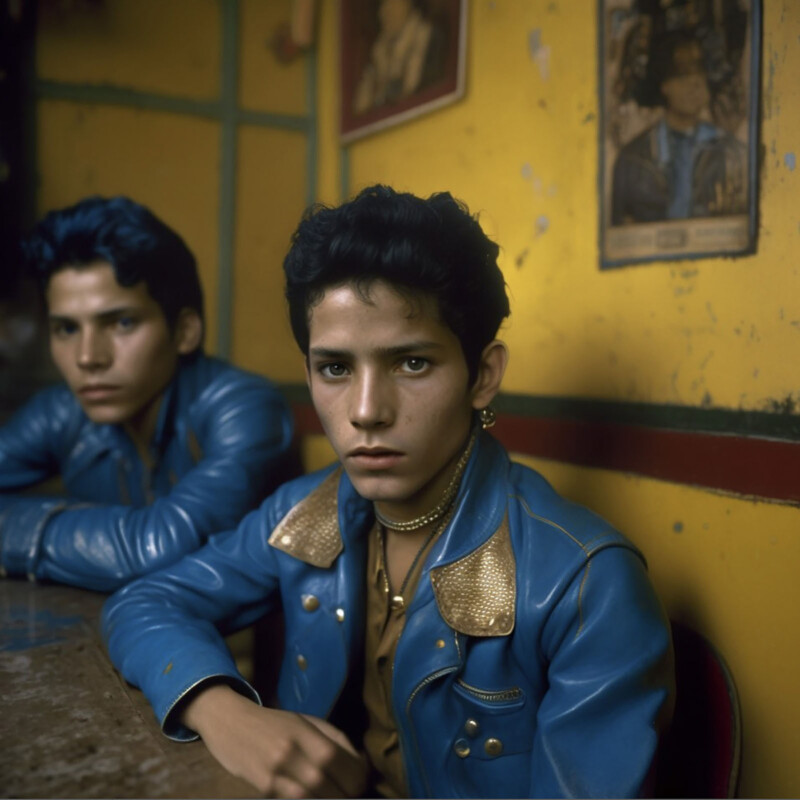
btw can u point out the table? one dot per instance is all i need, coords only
(70, 726)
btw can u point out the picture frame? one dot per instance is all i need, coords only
(399, 59)
(678, 133)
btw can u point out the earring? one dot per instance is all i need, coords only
(488, 417)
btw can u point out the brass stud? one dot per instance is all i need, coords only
(493, 747)
(397, 602)
(301, 662)
(471, 727)
(340, 614)
(310, 602)
(440, 643)
(461, 747)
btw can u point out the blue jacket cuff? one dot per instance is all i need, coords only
(22, 527)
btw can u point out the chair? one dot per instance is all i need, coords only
(699, 755)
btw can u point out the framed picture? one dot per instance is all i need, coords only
(400, 59)
(678, 143)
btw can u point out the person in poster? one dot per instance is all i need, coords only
(683, 58)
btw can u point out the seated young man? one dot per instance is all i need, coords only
(453, 626)
(157, 445)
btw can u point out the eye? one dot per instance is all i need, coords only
(127, 323)
(333, 370)
(414, 364)
(62, 328)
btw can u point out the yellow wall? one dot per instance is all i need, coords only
(521, 149)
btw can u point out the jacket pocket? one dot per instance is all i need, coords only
(491, 741)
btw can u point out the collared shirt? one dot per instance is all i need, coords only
(384, 624)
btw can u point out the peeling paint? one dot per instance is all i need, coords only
(520, 259)
(542, 224)
(707, 401)
(540, 53)
(787, 405)
(588, 118)
(711, 313)
(790, 160)
(678, 527)
(526, 171)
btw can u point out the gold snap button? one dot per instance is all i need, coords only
(493, 747)
(302, 663)
(440, 643)
(471, 727)
(461, 747)
(310, 602)
(340, 614)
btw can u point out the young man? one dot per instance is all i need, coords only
(453, 627)
(158, 446)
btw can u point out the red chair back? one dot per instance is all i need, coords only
(699, 755)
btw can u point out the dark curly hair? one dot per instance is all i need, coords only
(138, 246)
(431, 246)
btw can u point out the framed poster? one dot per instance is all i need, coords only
(400, 59)
(678, 128)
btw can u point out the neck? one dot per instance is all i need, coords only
(681, 122)
(430, 518)
(142, 427)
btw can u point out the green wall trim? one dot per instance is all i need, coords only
(761, 424)
(344, 173)
(764, 424)
(311, 129)
(229, 81)
(118, 96)
(106, 94)
(267, 119)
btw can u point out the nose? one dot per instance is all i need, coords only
(371, 401)
(93, 350)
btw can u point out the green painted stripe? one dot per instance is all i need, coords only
(266, 119)
(763, 424)
(344, 173)
(311, 110)
(174, 104)
(118, 96)
(229, 82)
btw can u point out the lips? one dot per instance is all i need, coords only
(374, 457)
(97, 393)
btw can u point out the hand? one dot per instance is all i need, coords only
(281, 753)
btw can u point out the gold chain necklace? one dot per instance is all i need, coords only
(397, 600)
(442, 506)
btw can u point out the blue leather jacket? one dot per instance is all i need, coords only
(535, 660)
(221, 439)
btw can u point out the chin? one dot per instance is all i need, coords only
(105, 416)
(380, 489)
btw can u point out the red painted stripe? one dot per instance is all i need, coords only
(758, 467)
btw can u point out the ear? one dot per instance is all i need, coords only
(188, 331)
(491, 369)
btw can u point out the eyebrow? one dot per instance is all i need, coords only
(103, 316)
(396, 350)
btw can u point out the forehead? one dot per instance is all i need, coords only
(92, 289)
(376, 310)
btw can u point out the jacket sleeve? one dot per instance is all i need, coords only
(29, 443)
(610, 683)
(244, 434)
(162, 631)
